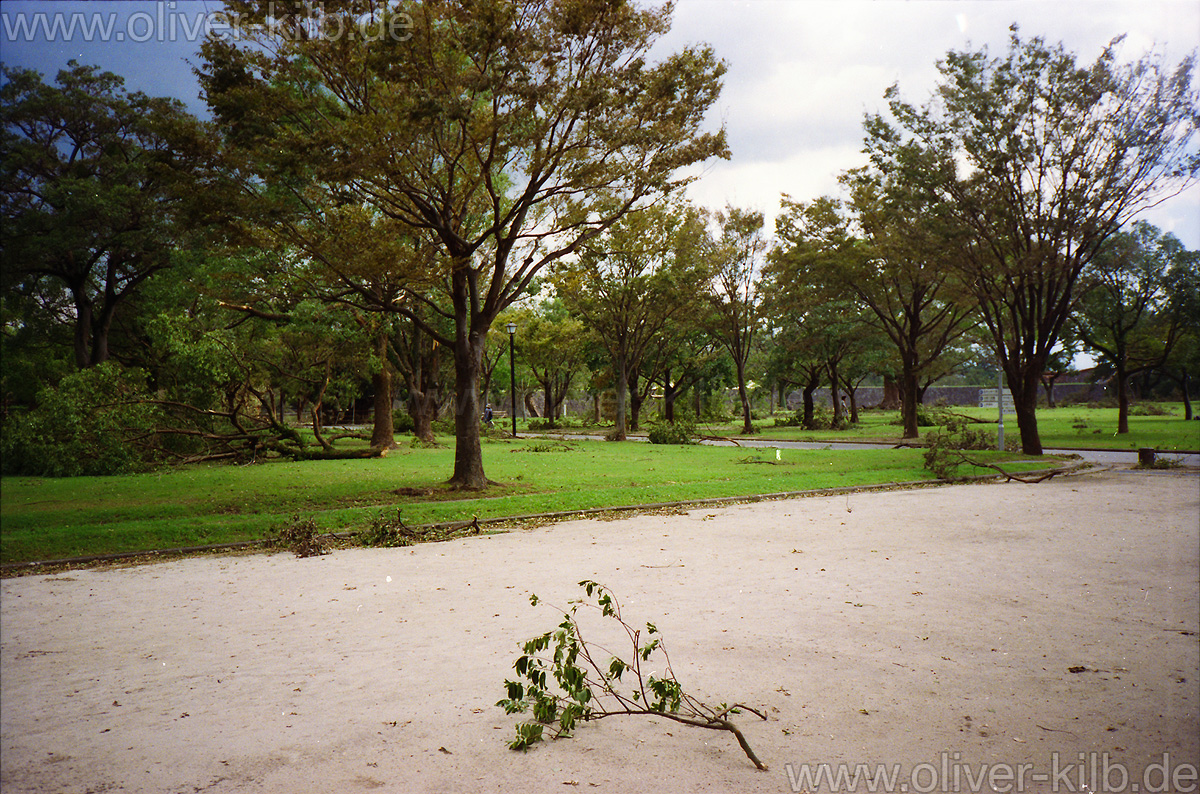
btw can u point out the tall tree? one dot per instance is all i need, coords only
(1041, 160)
(507, 132)
(684, 357)
(1125, 315)
(905, 277)
(734, 300)
(630, 283)
(98, 188)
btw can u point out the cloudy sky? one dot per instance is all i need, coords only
(801, 72)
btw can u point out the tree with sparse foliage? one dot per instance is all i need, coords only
(1041, 159)
(734, 302)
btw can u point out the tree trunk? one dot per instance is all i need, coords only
(1122, 398)
(548, 396)
(619, 432)
(1023, 384)
(383, 434)
(669, 395)
(530, 409)
(834, 389)
(468, 361)
(809, 388)
(83, 333)
(852, 392)
(635, 403)
(1187, 401)
(910, 399)
(1048, 385)
(747, 424)
(891, 394)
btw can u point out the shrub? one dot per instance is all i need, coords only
(97, 421)
(822, 418)
(402, 422)
(681, 431)
(386, 533)
(1149, 409)
(794, 419)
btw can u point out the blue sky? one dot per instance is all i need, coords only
(801, 72)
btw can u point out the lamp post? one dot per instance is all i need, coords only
(512, 374)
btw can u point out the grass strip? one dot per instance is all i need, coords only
(43, 519)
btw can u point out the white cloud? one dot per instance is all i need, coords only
(802, 74)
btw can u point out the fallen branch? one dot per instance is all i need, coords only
(1009, 476)
(720, 438)
(591, 690)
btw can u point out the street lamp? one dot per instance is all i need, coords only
(512, 374)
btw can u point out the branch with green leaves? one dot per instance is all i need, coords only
(564, 680)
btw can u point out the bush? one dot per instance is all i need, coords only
(1149, 409)
(383, 532)
(795, 419)
(402, 422)
(932, 416)
(95, 422)
(681, 431)
(822, 418)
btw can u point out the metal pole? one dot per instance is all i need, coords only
(512, 373)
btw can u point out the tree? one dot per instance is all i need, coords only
(420, 359)
(1061, 361)
(1124, 313)
(1183, 290)
(631, 282)
(1041, 161)
(734, 300)
(553, 346)
(506, 132)
(98, 188)
(905, 278)
(682, 359)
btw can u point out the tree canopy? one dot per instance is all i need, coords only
(506, 132)
(1041, 160)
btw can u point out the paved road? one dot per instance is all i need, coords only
(1105, 456)
(1115, 457)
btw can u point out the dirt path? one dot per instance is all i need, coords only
(936, 629)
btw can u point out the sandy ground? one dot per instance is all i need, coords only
(935, 629)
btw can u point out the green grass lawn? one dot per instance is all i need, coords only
(1060, 428)
(43, 519)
